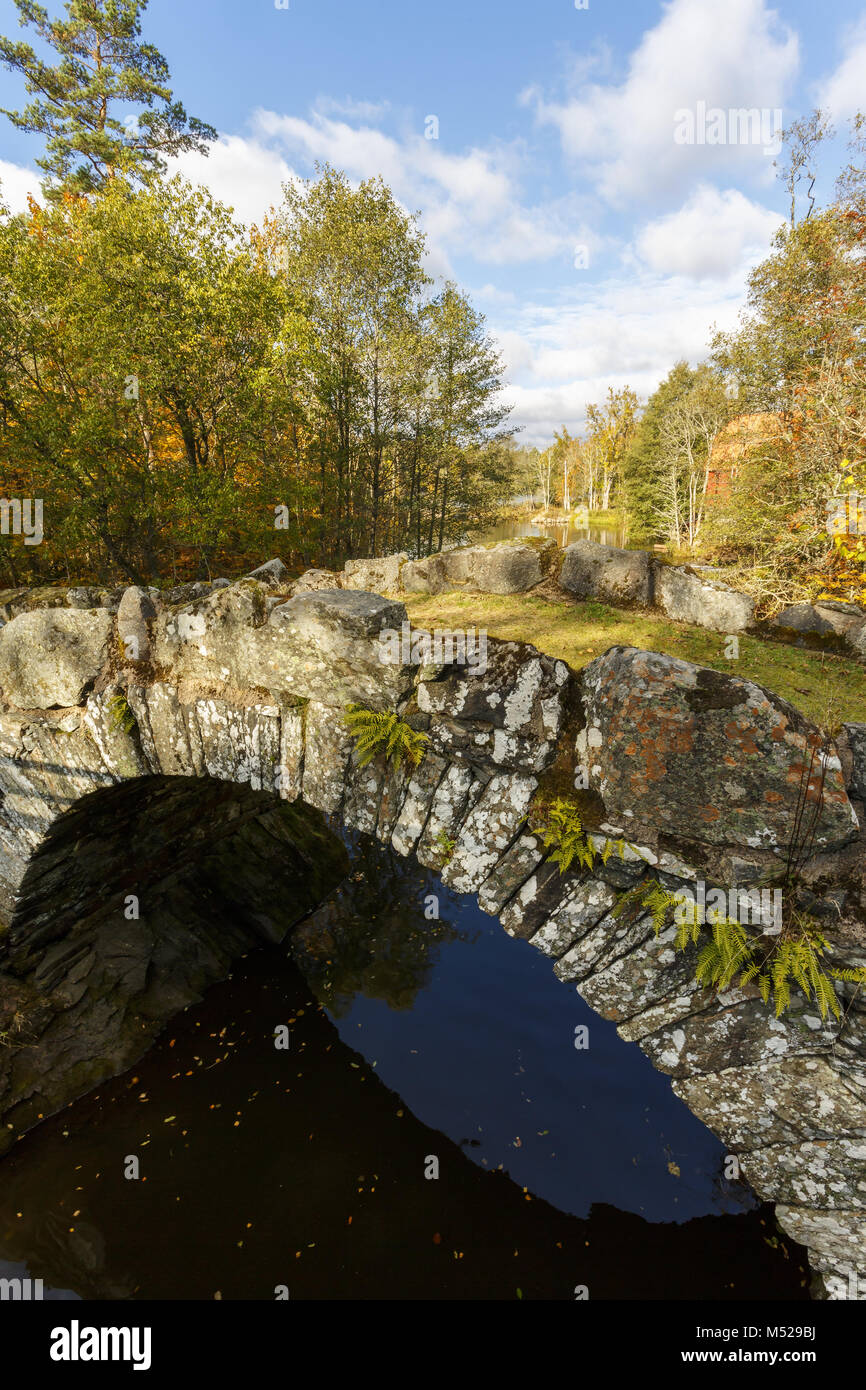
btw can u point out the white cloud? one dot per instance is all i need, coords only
(15, 183)
(471, 200)
(623, 332)
(244, 174)
(714, 234)
(844, 92)
(737, 57)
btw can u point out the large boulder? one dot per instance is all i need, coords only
(272, 572)
(50, 657)
(374, 576)
(312, 580)
(696, 756)
(322, 645)
(427, 576)
(329, 647)
(591, 570)
(510, 567)
(686, 597)
(830, 623)
(802, 618)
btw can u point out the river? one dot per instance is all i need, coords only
(431, 1132)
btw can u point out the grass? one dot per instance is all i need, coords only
(827, 688)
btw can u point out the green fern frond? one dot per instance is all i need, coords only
(383, 732)
(122, 716)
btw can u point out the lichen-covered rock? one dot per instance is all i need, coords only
(507, 717)
(395, 783)
(709, 1033)
(51, 656)
(488, 830)
(420, 792)
(589, 937)
(814, 1174)
(374, 576)
(311, 580)
(363, 793)
(702, 756)
(585, 904)
(535, 900)
(688, 598)
(326, 647)
(837, 1247)
(291, 767)
(624, 981)
(117, 743)
(784, 1101)
(321, 646)
(273, 573)
(591, 570)
(84, 596)
(327, 750)
(427, 576)
(13, 602)
(453, 799)
(512, 871)
(855, 735)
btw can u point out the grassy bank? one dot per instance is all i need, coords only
(827, 688)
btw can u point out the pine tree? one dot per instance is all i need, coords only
(102, 65)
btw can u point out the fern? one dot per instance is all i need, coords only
(651, 897)
(731, 953)
(562, 833)
(446, 846)
(385, 733)
(122, 716)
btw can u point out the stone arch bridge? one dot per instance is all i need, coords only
(128, 737)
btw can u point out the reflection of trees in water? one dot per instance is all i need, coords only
(371, 936)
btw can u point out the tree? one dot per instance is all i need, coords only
(136, 352)
(643, 463)
(467, 376)
(688, 428)
(802, 139)
(102, 65)
(612, 426)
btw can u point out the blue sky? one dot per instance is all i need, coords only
(599, 246)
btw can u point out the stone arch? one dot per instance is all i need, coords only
(245, 686)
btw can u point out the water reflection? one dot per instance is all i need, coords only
(564, 534)
(410, 1037)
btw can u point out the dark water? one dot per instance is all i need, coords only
(412, 1039)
